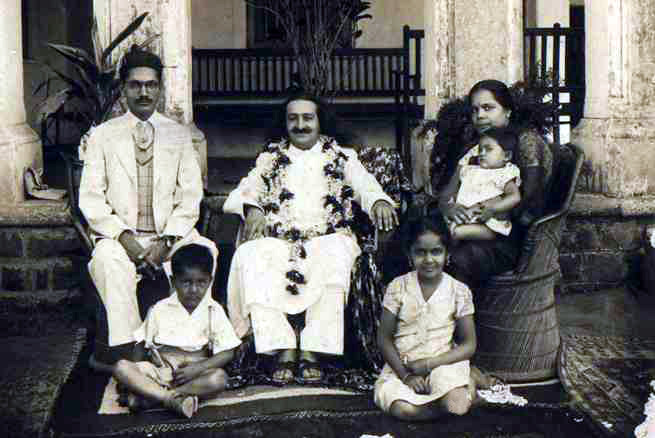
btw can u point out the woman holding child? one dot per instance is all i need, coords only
(475, 260)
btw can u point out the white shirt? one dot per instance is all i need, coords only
(169, 323)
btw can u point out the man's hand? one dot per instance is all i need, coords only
(155, 254)
(255, 223)
(384, 216)
(132, 247)
(418, 384)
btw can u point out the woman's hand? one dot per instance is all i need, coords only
(457, 213)
(255, 223)
(418, 384)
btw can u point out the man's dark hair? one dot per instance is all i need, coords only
(192, 256)
(137, 57)
(505, 137)
(325, 114)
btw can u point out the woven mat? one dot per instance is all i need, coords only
(33, 373)
(607, 377)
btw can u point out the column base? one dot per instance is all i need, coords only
(20, 148)
(620, 153)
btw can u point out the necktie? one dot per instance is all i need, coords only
(144, 137)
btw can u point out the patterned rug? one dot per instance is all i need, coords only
(33, 372)
(608, 378)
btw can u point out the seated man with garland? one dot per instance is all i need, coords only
(288, 283)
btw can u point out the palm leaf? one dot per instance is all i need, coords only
(121, 36)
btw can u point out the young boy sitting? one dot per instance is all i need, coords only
(183, 344)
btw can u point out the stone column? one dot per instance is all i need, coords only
(171, 19)
(488, 42)
(20, 146)
(618, 128)
(439, 54)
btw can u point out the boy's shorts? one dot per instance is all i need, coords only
(161, 375)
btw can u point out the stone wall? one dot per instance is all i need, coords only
(603, 242)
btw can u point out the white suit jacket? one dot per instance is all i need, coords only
(108, 190)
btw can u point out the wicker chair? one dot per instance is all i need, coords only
(516, 319)
(149, 291)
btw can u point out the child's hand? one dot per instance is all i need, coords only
(485, 214)
(418, 384)
(185, 373)
(419, 367)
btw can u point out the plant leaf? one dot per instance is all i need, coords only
(121, 36)
(75, 55)
(52, 104)
(147, 42)
(97, 45)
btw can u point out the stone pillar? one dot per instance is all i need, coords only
(618, 128)
(20, 146)
(488, 42)
(171, 19)
(439, 54)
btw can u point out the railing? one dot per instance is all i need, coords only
(256, 73)
(554, 62)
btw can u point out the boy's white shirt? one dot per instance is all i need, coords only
(169, 323)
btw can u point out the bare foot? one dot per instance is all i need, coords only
(283, 371)
(311, 369)
(484, 380)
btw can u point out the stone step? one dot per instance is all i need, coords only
(42, 312)
(38, 241)
(45, 273)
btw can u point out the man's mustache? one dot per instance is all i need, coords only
(301, 131)
(144, 100)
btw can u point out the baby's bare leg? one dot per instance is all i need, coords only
(473, 232)
(206, 385)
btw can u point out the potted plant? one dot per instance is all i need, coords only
(94, 89)
(314, 28)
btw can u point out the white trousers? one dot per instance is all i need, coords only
(323, 332)
(115, 277)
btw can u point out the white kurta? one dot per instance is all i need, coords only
(257, 274)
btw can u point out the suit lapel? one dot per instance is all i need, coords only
(126, 149)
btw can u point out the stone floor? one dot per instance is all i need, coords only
(614, 312)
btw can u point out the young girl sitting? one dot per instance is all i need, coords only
(490, 189)
(426, 333)
(183, 344)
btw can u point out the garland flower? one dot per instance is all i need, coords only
(278, 198)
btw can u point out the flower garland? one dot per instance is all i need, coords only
(277, 199)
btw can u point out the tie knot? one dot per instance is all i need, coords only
(144, 135)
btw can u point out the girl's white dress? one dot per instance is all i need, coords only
(425, 329)
(478, 184)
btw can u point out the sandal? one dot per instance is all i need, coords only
(283, 366)
(309, 365)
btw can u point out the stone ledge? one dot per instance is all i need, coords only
(592, 204)
(35, 213)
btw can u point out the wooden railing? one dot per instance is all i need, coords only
(554, 62)
(256, 73)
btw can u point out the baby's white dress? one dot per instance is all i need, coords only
(478, 184)
(425, 329)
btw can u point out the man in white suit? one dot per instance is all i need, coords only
(140, 193)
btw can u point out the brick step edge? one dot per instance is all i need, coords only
(33, 274)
